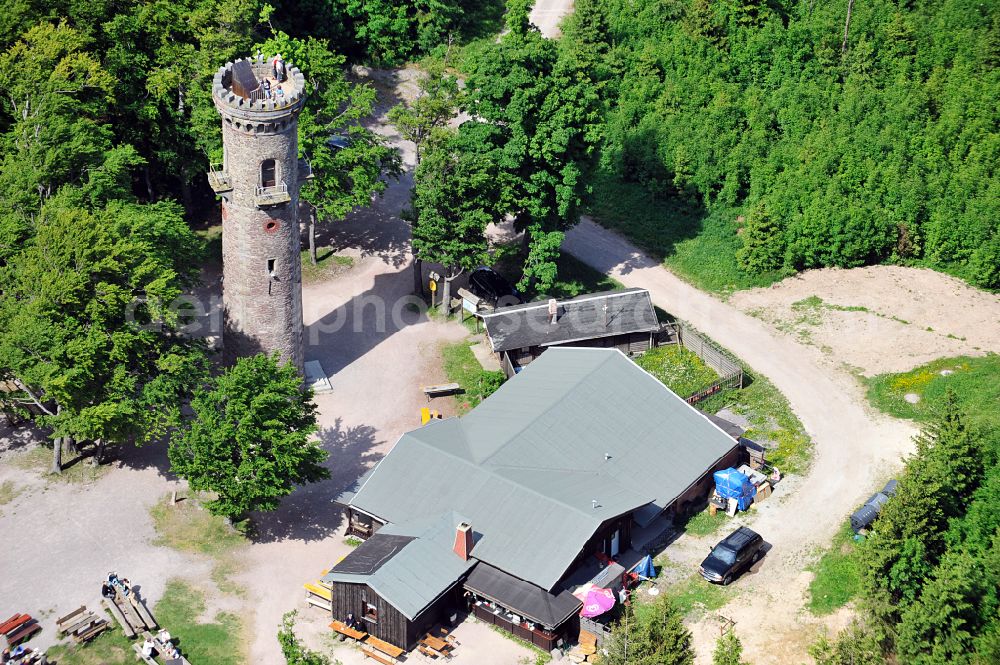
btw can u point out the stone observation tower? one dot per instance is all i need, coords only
(259, 101)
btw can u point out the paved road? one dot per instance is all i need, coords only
(854, 447)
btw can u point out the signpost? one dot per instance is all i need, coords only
(470, 303)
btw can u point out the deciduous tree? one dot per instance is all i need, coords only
(348, 159)
(250, 438)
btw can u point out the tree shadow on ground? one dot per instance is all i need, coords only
(309, 514)
(19, 437)
(650, 211)
(377, 230)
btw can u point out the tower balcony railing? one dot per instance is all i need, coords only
(305, 170)
(273, 195)
(218, 179)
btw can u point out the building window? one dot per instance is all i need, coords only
(272, 264)
(371, 613)
(268, 173)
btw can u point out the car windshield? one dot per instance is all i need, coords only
(724, 554)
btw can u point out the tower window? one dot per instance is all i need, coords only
(271, 265)
(268, 173)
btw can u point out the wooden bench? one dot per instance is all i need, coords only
(427, 652)
(376, 656)
(13, 623)
(127, 628)
(142, 611)
(320, 603)
(95, 629)
(344, 629)
(69, 619)
(317, 590)
(26, 631)
(439, 390)
(384, 647)
(83, 621)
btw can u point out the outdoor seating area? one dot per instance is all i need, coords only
(136, 621)
(13, 632)
(437, 644)
(373, 648)
(18, 628)
(319, 593)
(82, 625)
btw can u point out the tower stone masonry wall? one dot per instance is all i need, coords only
(261, 253)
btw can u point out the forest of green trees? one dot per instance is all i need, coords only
(832, 146)
(930, 568)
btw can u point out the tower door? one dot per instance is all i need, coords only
(268, 173)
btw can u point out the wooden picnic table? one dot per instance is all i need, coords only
(435, 643)
(344, 629)
(317, 590)
(384, 647)
(127, 628)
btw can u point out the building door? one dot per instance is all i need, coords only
(616, 542)
(268, 173)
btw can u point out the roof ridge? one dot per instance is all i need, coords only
(551, 406)
(615, 293)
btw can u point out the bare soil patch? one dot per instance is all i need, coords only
(879, 319)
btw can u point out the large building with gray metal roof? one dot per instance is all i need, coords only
(564, 462)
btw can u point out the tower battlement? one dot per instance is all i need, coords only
(249, 95)
(258, 181)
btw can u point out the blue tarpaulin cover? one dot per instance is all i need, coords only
(644, 569)
(731, 484)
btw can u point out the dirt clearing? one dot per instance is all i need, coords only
(881, 318)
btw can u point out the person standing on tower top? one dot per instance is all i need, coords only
(278, 68)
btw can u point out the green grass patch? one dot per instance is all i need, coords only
(352, 541)
(698, 245)
(705, 524)
(189, 527)
(218, 642)
(678, 368)
(772, 422)
(838, 578)
(693, 596)
(8, 492)
(76, 467)
(975, 382)
(108, 648)
(461, 367)
(328, 265)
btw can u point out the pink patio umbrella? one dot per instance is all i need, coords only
(596, 601)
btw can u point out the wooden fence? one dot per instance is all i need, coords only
(730, 373)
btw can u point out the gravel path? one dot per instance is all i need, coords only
(547, 14)
(855, 448)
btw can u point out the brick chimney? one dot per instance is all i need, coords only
(463, 541)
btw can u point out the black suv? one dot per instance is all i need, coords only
(490, 285)
(737, 552)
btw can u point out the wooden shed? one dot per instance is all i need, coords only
(624, 320)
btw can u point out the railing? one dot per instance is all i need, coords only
(218, 179)
(273, 195)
